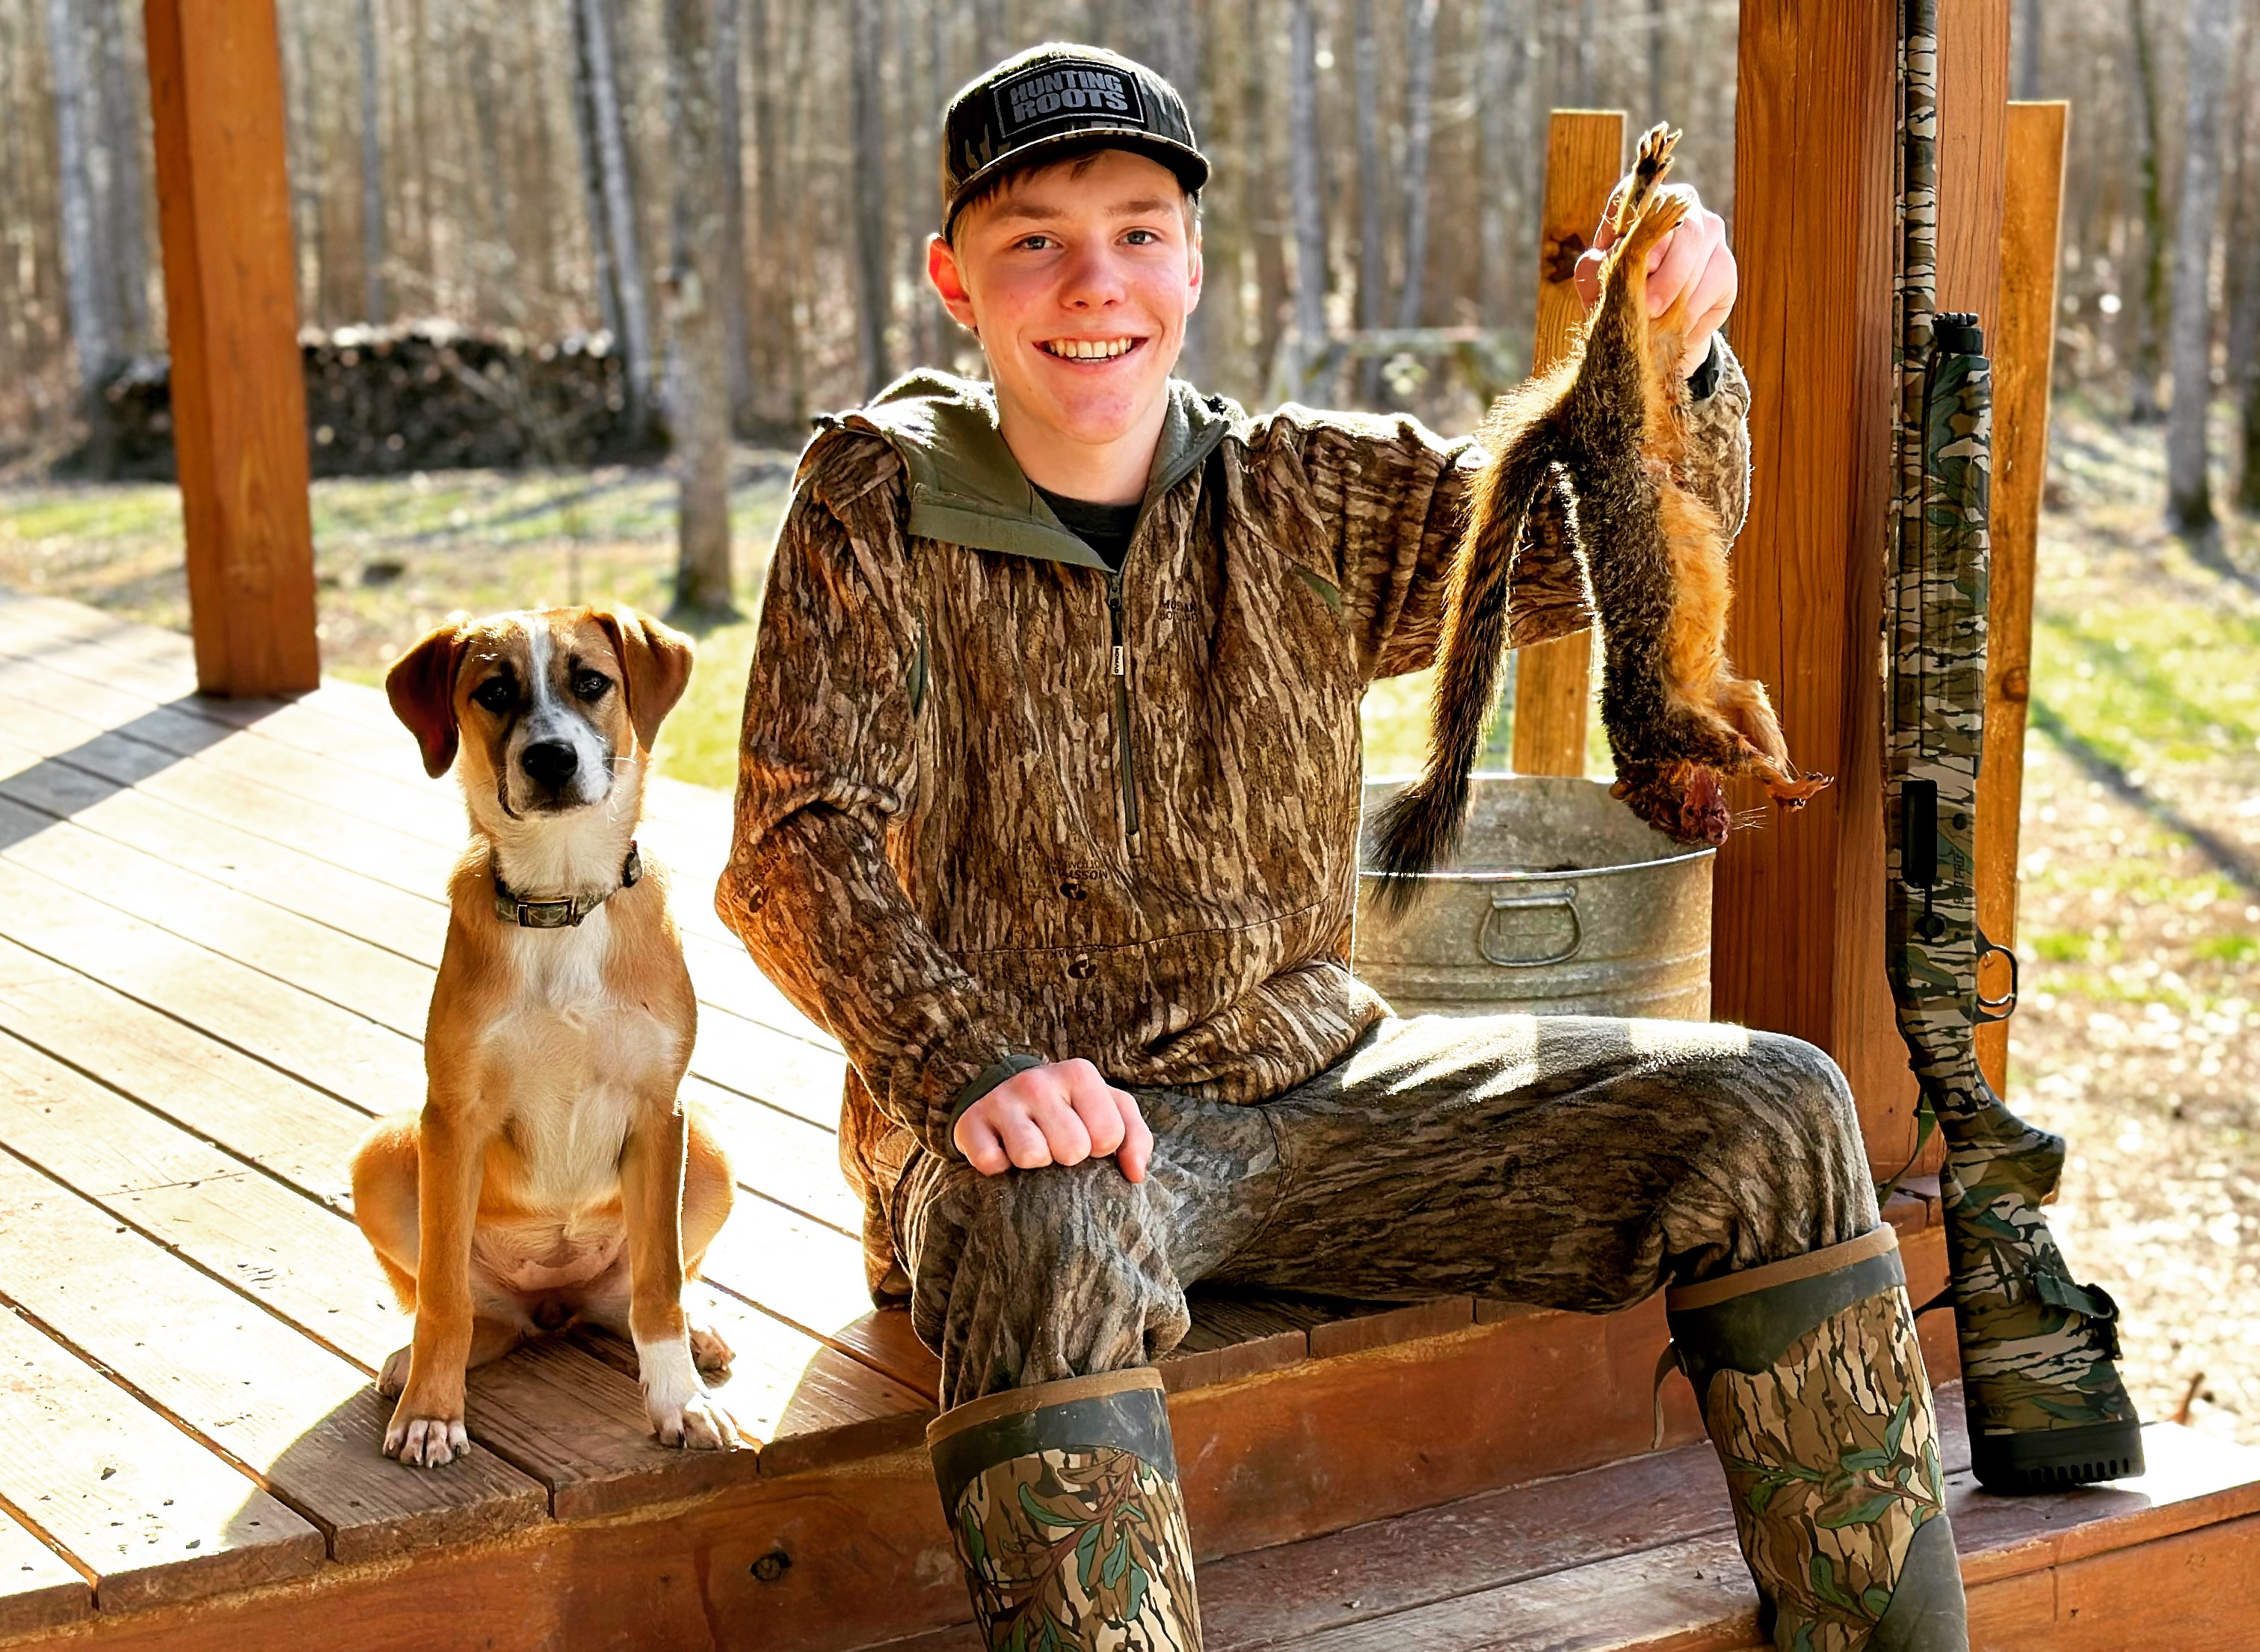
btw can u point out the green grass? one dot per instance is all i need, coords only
(2226, 949)
(2165, 679)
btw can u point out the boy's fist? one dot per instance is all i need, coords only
(1062, 1113)
(1693, 259)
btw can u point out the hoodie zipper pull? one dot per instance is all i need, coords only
(1126, 754)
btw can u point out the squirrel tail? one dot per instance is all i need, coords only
(1416, 830)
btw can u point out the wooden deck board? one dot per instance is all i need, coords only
(39, 1588)
(332, 866)
(282, 1247)
(338, 972)
(298, 1416)
(148, 1512)
(296, 750)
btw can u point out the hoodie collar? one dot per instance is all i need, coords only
(967, 489)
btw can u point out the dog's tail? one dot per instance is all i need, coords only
(1415, 833)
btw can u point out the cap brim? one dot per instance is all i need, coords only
(1190, 165)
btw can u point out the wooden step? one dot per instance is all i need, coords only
(1639, 1556)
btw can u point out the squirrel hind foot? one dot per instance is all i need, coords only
(1654, 160)
(1795, 793)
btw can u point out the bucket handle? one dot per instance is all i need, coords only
(1566, 900)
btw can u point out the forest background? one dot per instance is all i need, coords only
(560, 169)
(724, 203)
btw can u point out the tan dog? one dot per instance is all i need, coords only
(554, 1176)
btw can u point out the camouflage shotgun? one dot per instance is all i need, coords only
(2046, 1405)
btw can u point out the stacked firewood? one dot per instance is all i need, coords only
(421, 395)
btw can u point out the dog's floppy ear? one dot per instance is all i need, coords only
(657, 660)
(421, 686)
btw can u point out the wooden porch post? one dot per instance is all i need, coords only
(1585, 157)
(231, 301)
(1799, 923)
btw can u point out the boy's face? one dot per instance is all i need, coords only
(1077, 279)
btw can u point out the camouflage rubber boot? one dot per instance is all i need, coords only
(1063, 1502)
(1813, 1391)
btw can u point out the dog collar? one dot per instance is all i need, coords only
(562, 915)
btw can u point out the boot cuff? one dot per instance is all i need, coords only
(1122, 1410)
(1746, 1322)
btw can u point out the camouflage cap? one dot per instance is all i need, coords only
(1056, 100)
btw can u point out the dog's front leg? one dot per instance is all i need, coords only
(681, 1412)
(427, 1424)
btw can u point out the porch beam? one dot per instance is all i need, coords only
(231, 300)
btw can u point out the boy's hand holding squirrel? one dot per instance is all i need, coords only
(1695, 255)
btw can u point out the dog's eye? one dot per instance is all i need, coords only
(496, 694)
(590, 685)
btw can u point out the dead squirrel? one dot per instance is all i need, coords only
(1611, 417)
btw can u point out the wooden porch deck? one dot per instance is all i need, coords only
(218, 924)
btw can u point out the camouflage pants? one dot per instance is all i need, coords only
(1565, 1162)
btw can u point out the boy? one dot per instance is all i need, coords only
(1049, 809)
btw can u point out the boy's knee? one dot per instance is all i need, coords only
(1807, 1088)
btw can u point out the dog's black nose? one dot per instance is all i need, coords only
(549, 762)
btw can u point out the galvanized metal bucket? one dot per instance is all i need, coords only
(1562, 902)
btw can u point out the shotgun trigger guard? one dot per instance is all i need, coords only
(2000, 1009)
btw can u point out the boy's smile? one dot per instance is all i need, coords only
(1077, 278)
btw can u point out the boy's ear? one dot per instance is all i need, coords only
(421, 686)
(656, 660)
(948, 277)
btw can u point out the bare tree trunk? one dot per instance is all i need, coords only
(2244, 309)
(2029, 49)
(799, 120)
(619, 212)
(84, 256)
(1183, 57)
(869, 140)
(592, 179)
(1372, 237)
(992, 32)
(1589, 85)
(2242, 216)
(2189, 490)
(493, 264)
(2247, 478)
(1271, 285)
(1419, 130)
(122, 141)
(304, 149)
(1656, 23)
(2149, 306)
(912, 143)
(698, 416)
(372, 171)
(731, 139)
(1498, 57)
(1304, 185)
(775, 336)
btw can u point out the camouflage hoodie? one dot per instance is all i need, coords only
(997, 805)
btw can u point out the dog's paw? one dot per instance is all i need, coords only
(425, 1442)
(394, 1377)
(698, 1424)
(709, 1352)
